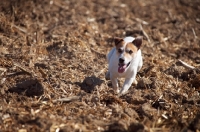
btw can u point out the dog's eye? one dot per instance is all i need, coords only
(130, 52)
(120, 50)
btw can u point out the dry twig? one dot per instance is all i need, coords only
(195, 36)
(69, 99)
(186, 65)
(145, 34)
(19, 28)
(24, 69)
(141, 21)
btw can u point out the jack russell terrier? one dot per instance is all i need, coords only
(124, 60)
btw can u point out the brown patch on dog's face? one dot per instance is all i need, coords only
(120, 45)
(125, 52)
(131, 49)
(137, 41)
(117, 40)
(128, 50)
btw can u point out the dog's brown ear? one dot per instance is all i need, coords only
(117, 40)
(138, 41)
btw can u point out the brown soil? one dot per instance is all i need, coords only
(53, 65)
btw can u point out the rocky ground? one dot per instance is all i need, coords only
(53, 65)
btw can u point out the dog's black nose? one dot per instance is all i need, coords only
(121, 60)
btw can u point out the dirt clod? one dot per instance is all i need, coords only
(144, 83)
(148, 110)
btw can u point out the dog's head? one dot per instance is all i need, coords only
(126, 51)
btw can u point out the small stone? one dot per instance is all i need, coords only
(95, 99)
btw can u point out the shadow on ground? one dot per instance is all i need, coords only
(30, 87)
(89, 84)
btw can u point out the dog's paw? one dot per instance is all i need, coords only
(122, 92)
(135, 82)
(118, 91)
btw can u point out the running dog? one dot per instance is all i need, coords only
(124, 60)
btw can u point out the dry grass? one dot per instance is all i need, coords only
(53, 65)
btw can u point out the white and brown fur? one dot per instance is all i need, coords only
(124, 60)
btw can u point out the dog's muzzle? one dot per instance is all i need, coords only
(122, 67)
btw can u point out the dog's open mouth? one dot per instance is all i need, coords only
(122, 67)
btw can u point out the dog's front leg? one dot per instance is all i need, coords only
(114, 83)
(127, 85)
